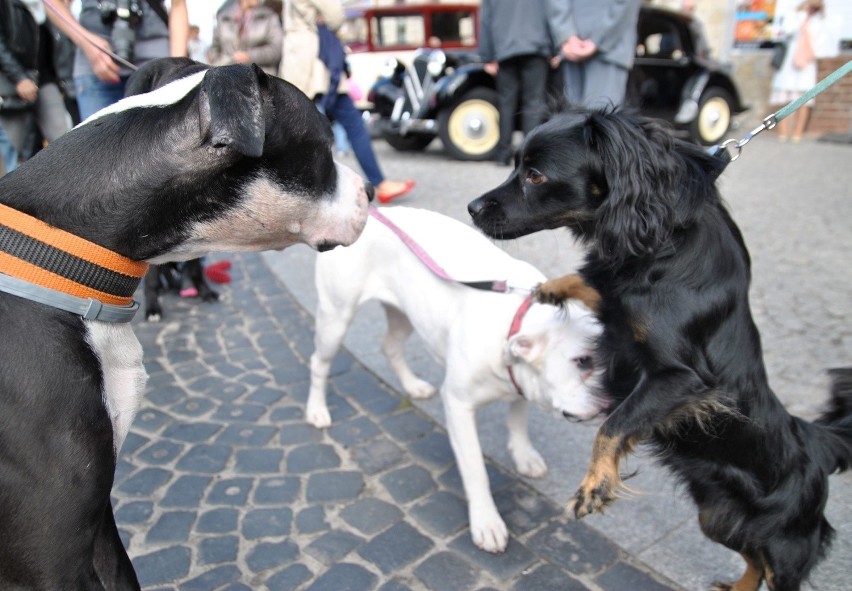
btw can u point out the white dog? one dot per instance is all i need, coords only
(466, 329)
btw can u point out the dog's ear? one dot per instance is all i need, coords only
(636, 215)
(231, 109)
(525, 347)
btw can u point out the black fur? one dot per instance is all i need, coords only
(681, 353)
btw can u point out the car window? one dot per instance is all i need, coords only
(453, 28)
(353, 33)
(659, 39)
(398, 30)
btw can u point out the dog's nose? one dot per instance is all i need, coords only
(476, 206)
(371, 191)
(326, 246)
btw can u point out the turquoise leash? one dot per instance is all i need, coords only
(730, 150)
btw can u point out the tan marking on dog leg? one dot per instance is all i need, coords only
(602, 483)
(556, 291)
(750, 581)
(639, 327)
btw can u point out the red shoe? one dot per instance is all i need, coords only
(223, 265)
(217, 273)
(389, 195)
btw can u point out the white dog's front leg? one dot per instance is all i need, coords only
(330, 325)
(486, 527)
(527, 459)
(399, 329)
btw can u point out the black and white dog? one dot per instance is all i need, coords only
(222, 159)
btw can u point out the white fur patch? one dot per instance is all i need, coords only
(124, 376)
(161, 97)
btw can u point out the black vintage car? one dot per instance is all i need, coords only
(450, 95)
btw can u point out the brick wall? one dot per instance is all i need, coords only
(832, 111)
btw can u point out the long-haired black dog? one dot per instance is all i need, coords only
(681, 352)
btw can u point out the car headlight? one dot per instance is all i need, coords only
(389, 68)
(437, 60)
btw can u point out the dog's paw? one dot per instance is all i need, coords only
(529, 463)
(591, 498)
(318, 416)
(153, 316)
(548, 293)
(417, 388)
(490, 534)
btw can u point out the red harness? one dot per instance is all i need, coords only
(514, 329)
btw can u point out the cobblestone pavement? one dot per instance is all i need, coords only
(222, 485)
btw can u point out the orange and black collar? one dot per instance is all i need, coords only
(35, 253)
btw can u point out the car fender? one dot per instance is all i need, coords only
(695, 87)
(452, 87)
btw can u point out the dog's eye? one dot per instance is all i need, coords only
(535, 177)
(584, 363)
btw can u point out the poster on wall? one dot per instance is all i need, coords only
(754, 23)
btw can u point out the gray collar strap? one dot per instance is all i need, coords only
(86, 307)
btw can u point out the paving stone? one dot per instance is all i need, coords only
(246, 434)
(266, 396)
(445, 570)
(344, 577)
(194, 407)
(407, 426)
(299, 434)
(281, 490)
(239, 412)
(144, 482)
(267, 523)
(150, 420)
(205, 458)
(371, 515)
(333, 546)
(253, 379)
(267, 555)
(310, 458)
(442, 513)
(503, 566)
(227, 391)
(497, 479)
(164, 395)
(289, 578)
(186, 491)
(396, 547)
(218, 550)
(162, 566)
(191, 432)
(408, 483)
(123, 469)
(376, 455)
(218, 521)
(160, 452)
(434, 449)
(134, 512)
(172, 526)
(524, 510)
(287, 414)
(259, 461)
(339, 408)
(334, 486)
(311, 520)
(353, 431)
(213, 579)
(552, 578)
(574, 546)
(230, 491)
(625, 576)
(394, 586)
(132, 443)
(290, 374)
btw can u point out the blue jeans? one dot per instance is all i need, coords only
(94, 94)
(344, 112)
(7, 151)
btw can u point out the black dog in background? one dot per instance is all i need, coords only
(681, 353)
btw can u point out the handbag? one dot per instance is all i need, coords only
(778, 54)
(804, 53)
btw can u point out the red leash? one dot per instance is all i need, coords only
(501, 286)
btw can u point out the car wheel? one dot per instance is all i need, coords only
(408, 143)
(714, 116)
(470, 128)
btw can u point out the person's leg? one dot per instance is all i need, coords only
(52, 117)
(605, 84)
(533, 90)
(800, 122)
(572, 76)
(16, 123)
(349, 117)
(508, 87)
(94, 95)
(8, 153)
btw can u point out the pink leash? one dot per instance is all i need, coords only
(501, 286)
